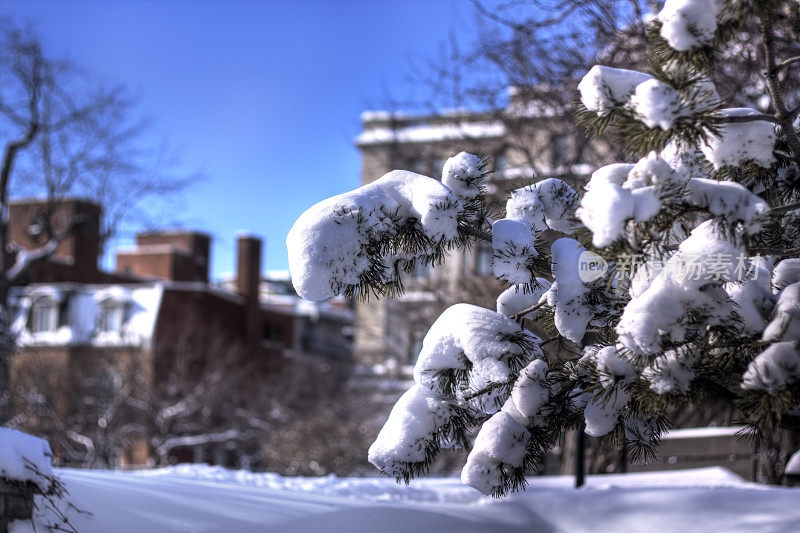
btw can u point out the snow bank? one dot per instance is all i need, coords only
(212, 499)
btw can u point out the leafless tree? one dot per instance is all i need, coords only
(64, 135)
(522, 64)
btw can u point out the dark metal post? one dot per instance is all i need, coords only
(580, 457)
(623, 467)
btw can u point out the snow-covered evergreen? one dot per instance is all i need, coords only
(699, 291)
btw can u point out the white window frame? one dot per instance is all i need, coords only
(111, 309)
(44, 314)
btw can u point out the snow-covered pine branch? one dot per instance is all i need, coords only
(362, 240)
(655, 279)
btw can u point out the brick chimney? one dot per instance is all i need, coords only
(248, 280)
(173, 255)
(79, 252)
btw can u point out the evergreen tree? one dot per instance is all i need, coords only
(676, 278)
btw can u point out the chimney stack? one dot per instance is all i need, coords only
(248, 280)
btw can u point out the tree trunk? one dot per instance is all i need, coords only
(7, 350)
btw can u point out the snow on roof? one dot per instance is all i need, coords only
(380, 114)
(431, 132)
(702, 433)
(527, 172)
(246, 234)
(289, 303)
(201, 286)
(80, 326)
(278, 275)
(151, 249)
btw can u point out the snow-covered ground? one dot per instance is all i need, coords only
(203, 498)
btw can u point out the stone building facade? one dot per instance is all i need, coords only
(525, 143)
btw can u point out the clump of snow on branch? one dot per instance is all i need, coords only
(601, 414)
(671, 372)
(513, 244)
(500, 443)
(471, 338)
(24, 457)
(741, 142)
(340, 243)
(619, 193)
(728, 200)
(463, 174)
(568, 293)
(657, 104)
(410, 431)
(604, 88)
(786, 273)
(785, 324)
(774, 368)
(687, 283)
(688, 24)
(549, 203)
(517, 298)
(531, 393)
(754, 301)
(485, 346)
(613, 367)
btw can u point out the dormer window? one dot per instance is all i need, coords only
(422, 271)
(44, 314)
(500, 163)
(111, 316)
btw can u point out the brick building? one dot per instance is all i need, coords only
(68, 314)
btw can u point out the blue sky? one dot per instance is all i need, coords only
(262, 96)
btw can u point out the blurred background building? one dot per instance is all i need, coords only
(160, 328)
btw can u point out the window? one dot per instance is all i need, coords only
(44, 314)
(560, 150)
(111, 317)
(500, 163)
(415, 347)
(422, 271)
(419, 166)
(483, 260)
(438, 166)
